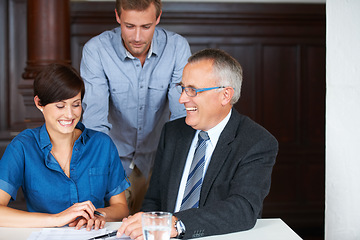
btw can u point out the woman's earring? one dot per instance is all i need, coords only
(41, 109)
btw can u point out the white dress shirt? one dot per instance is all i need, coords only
(214, 134)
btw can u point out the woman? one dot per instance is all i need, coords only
(66, 171)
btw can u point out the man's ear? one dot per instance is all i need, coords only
(227, 95)
(158, 19)
(117, 17)
(37, 103)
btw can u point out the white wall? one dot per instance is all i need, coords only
(342, 212)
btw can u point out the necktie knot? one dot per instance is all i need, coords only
(203, 136)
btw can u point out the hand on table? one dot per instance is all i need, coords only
(131, 226)
(81, 214)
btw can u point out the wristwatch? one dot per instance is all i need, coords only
(180, 228)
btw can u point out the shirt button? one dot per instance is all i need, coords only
(141, 108)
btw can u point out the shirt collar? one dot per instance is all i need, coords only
(214, 133)
(84, 137)
(45, 138)
(150, 52)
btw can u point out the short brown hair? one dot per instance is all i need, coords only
(139, 5)
(58, 82)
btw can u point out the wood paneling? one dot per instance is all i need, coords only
(47, 42)
(282, 50)
(16, 58)
(3, 65)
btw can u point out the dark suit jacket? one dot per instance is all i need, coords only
(236, 182)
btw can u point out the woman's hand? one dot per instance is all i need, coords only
(97, 222)
(77, 215)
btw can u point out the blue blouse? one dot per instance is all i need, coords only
(96, 172)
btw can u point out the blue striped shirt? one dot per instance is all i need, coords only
(128, 101)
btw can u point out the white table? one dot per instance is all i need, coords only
(269, 229)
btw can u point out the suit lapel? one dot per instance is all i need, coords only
(183, 144)
(220, 155)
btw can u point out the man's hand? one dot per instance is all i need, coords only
(131, 226)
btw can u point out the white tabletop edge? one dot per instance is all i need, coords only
(266, 228)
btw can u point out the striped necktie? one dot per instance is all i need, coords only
(195, 178)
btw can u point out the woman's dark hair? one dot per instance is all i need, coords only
(58, 82)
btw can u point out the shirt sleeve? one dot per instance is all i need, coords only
(12, 168)
(182, 54)
(118, 182)
(96, 98)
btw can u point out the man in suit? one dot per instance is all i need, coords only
(237, 158)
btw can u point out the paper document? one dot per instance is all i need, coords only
(69, 233)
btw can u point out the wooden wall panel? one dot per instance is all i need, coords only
(279, 92)
(3, 65)
(282, 192)
(245, 53)
(17, 60)
(313, 94)
(282, 50)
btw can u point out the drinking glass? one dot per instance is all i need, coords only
(156, 225)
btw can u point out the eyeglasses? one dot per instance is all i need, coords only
(192, 92)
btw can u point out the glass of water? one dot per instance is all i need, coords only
(156, 225)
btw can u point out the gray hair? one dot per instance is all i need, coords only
(226, 68)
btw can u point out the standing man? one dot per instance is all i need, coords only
(233, 157)
(130, 74)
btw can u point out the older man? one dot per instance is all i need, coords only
(213, 167)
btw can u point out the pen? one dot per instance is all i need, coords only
(99, 213)
(111, 234)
